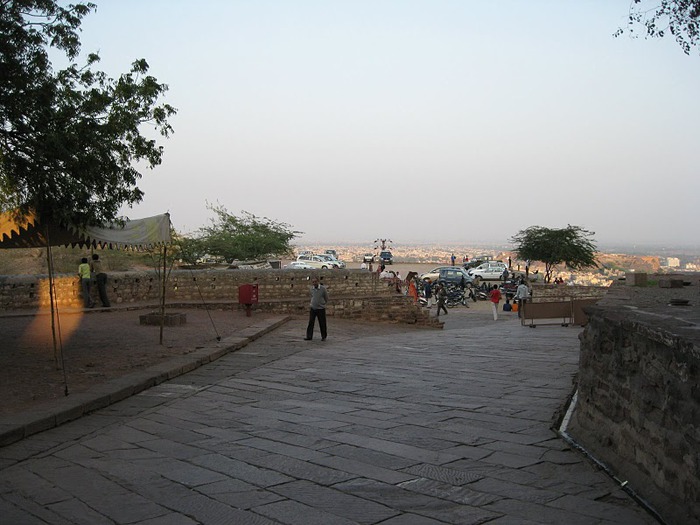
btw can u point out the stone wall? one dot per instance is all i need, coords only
(354, 293)
(638, 407)
(559, 292)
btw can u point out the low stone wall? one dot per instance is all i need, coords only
(354, 294)
(542, 293)
(638, 407)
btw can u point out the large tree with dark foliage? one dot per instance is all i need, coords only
(70, 138)
(677, 18)
(572, 246)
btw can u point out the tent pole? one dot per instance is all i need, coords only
(162, 296)
(55, 319)
(53, 315)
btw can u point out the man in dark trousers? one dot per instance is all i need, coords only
(101, 277)
(319, 298)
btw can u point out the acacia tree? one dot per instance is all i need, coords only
(70, 138)
(245, 237)
(678, 18)
(572, 246)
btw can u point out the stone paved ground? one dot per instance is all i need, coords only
(378, 424)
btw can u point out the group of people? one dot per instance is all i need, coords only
(522, 293)
(434, 293)
(90, 272)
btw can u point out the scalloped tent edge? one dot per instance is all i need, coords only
(28, 231)
(137, 234)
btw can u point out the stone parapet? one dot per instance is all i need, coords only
(542, 293)
(354, 294)
(638, 407)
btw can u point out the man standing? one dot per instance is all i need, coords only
(101, 277)
(319, 298)
(521, 295)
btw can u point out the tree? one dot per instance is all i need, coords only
(246, 237)
(70, 139)
(188, 249)
(571, 245)
(679, 18)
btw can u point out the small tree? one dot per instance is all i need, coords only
(246, 237)
(571, 245)
(678, 18)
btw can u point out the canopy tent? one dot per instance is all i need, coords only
(32, 232)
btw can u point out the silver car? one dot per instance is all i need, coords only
(488, 271)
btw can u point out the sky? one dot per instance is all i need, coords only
(421, 121)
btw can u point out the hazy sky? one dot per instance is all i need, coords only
(432, 120)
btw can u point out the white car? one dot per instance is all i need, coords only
(298, 265)
(315, 261)
(488, 271)
(335, 263)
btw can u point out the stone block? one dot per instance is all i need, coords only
(670, 283)
(636, 279)
(171, 319)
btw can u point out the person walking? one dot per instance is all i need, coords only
(101, 278)
(521, 294)
(317, 310)
(85, 277)
(495, 298)
(441, 294)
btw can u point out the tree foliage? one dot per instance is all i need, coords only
(70, 138)
(246, 237)
(572, 246)
(678, 18)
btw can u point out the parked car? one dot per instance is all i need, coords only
(334, 263)
(434, 273)
(385, 257)
(473, 264)
(332, 253)
(298, 265)
(454, 275)
(488, 271)
(316, 261)
(368, 258)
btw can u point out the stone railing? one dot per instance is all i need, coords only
(638, 402)
(354, 293)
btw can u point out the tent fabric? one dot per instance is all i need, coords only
(29, 232)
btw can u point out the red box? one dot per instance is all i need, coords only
(248, 294)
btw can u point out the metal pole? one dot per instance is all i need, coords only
(162, 296)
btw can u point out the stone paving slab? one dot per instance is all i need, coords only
(376, 425)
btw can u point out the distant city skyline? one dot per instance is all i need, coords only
(662, 250)
(447, 120)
